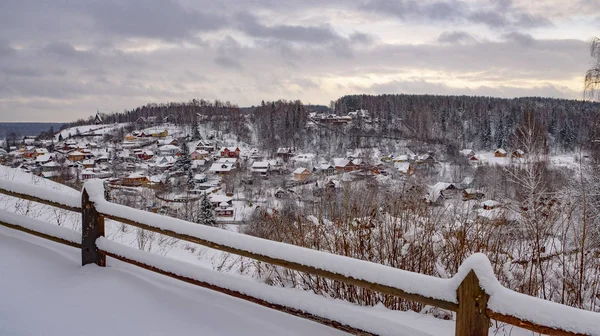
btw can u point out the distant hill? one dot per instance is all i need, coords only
(26, 128)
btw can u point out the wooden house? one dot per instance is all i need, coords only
(199, 154)
(302, 174)
(518, 154)
(233, 152)
(135, 180)
(472, 194)
(500, 152)
(76, 156)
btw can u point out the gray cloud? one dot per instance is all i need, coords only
(69, 57)
(455, 37)
(316, 34)
(504, 14)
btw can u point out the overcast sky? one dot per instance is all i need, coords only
(61, 60)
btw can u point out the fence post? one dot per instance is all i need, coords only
(471, 318)
(91, 229)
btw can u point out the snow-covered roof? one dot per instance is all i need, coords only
(221, 167)
(260, 164)
(136, 175)
(500, 150)
(436, 190)
(491, 203)
(43, 158)
(199, 176)
(467, 152)
(340, 162)
(403, 167)
(87, 172)
(218, 198)
(227, 160)
(300, 170)
(51, 164)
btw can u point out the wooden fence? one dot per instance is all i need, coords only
(473, 316)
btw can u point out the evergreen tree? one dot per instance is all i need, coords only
(184, 161)
(60, 137)
(190, 180)
(195, 132)
(206, 215)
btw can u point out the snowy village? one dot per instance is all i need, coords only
(372, 167)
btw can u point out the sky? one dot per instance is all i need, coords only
(62, 60)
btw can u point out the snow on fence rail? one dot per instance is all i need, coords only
(473, 293)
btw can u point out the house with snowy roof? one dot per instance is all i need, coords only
(230, 152)
(301, 174)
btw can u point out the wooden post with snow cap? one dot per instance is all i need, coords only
(471, 317)
(91, 229)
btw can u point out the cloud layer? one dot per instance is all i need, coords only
(65, 59)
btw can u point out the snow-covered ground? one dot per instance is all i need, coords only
(83, 129)
(45, 291)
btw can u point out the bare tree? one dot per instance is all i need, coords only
(592, 76)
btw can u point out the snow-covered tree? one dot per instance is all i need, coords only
(184, 161)
(206, 215)
(190, 180)
(195, 132)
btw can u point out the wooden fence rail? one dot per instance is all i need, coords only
(472, 312)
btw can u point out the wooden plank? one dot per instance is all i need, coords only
(285, 309)
(41, 235)
(529, 325)
(39, 200)
(92, 228)
(296, 266)
(471, 318)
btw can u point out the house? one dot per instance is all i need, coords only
(41, 159)
(199, 154)
(166, 150)
(233, 161)
(40, 151)
(285, 153)
(224, 210)
(500, 152)
(472, 194)
(129, 137)
(441, 191)
(327, 169)
(206, 145)
(346, 165)
(135, 180)
(301, 174)
(217, 199)
(51, 175)
(88, 164)
(168, 141)
(76, 156)
(146, 155)
(50, 166)
(29, 152)
(491, 205)
(232, 152)
(261, 168)
(200, 178)
(467, 152)
(518, 154)
(405, 168)
(425, 158)
(87, 174)
(473, 158)
(221, 168)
